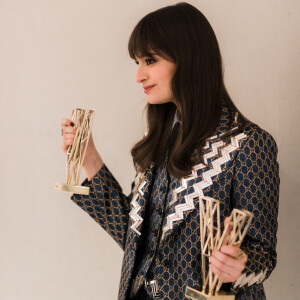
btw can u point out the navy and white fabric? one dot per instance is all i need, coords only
(157, 224)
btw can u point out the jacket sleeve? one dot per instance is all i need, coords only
(107, 204)
(255, 188)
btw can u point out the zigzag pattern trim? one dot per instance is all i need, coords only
(184, 182)
(206, 180)
(250, 279)
(214, 151)
(134, 213)
(179, 209)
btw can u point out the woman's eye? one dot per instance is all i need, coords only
(150, 61)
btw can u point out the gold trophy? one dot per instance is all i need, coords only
(82, 119)
(211, 238)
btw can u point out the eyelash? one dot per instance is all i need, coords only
(147, 60)
(151, 59)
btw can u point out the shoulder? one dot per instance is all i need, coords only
(258, 147)
(259, 139)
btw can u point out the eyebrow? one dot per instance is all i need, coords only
(150, 54)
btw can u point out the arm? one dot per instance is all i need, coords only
(106, 204)
(255, 188)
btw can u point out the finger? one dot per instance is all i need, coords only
(230, 250)
(227, 219)
(230, 266)
(225, 277)
(226, 272)
(234, 252)
(68, 142)
(66, 145)
(66, 122)
(69, 134)
(226, 259)
(64, 148)
(68, 130)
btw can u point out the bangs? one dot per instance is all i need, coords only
(146, 40)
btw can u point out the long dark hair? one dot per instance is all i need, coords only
(180, 33)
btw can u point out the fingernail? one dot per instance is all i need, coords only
(72, 124)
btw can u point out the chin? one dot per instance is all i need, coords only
(156, 101)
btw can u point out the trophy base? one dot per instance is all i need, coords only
(196, 295)
(77, 189)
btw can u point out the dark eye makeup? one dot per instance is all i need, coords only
(149, 61)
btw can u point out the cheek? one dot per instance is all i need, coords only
(170, 77)
(166, 80)
(170, 82)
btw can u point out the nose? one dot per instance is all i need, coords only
(141, 74)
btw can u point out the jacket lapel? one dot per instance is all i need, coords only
(218, 157)
(141, 192)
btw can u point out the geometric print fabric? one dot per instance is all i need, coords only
(249, 180)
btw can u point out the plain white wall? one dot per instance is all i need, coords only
(59, 55)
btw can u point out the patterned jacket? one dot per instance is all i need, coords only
(242, 173)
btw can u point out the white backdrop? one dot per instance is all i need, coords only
(59, 55)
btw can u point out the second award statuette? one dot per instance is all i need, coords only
(82, 119)
(211, 238)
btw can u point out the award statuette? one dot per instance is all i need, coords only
(211, 238)
(82, 119)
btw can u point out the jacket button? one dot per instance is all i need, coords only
(167, 263)
(163, 189)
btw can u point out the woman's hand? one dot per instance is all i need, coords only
(68, 133)
(229, 262)
(92, 162)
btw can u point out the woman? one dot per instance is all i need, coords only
(197, 142)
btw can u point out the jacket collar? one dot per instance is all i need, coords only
(227, 121)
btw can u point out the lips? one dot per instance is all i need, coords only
(148, 88)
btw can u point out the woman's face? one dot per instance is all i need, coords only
(157, 73)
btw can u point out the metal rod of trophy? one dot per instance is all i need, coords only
(83, 120)
(210, 234)
(76, 152)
